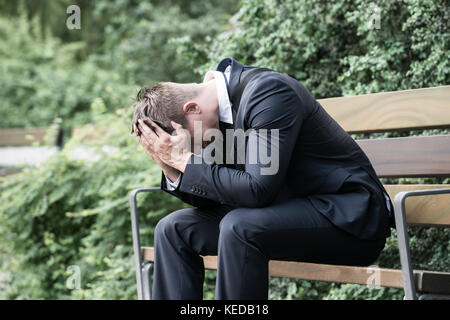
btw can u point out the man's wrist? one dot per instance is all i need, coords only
(172, 185)
(172, 174)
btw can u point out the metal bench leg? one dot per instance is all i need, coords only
(147, 281)
(403, 246)
(138, 261)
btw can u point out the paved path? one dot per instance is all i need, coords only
(13, 156)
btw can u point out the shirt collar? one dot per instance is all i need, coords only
(222, 79)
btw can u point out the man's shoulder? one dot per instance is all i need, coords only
(270, 80)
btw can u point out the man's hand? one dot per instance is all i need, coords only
(170, 150)
(171, 173)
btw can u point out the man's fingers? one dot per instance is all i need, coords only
(147, 131)
(145, 140)
(182, 133)
(144, 127)
(175, 125)
(178, 129)
(136, 131)
(159, 131)
(152, 143)
(149, 149)
(146, 144)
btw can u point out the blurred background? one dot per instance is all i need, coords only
(67, 87)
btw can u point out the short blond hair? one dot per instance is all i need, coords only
(163, 102)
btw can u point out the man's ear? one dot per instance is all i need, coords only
(191, 107)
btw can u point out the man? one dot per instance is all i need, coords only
(322, 204)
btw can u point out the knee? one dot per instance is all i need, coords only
(234, 225)
(168, 226)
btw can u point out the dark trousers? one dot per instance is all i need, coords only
(245, 239)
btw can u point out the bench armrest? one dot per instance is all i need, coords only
(136, 237)
(403, 239)
(401, 196)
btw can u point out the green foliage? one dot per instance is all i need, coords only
(295, 289)
(333, 48)
(143, 38)
(41, 80)
(121, 46)
(71, 211)
(357, 292)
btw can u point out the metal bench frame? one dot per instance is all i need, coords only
(144, 269)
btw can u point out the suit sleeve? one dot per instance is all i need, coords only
(188, 198)
(274, 114)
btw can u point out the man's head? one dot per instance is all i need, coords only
(182, 103)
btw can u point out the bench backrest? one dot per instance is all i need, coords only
(18, 137)
(415, 156)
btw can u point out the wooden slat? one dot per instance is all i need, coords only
(409, 156)
(334, 273)
(388, 111)
(313, 271)
(8, 171)
(323, 272)
(22, 137)
(424, 210)
(88, 133)
(148, 254)
(435, 282)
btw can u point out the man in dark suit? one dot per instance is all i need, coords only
(323, 203)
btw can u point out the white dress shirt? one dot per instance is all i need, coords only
(225, 114)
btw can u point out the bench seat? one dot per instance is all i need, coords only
(426, 281)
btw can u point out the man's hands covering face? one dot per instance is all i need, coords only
(168, 151)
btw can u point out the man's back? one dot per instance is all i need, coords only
(324, 157)
(316, 159)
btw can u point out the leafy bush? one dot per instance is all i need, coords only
(70, 210)
(73, 210)
(142, 38)
(41, 79)
(335, 49)
(122, 45)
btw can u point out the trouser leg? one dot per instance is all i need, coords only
(294, 231)
(180, 238)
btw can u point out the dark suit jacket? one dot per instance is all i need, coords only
(318, 159)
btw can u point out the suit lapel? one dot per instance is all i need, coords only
(235, 76)
(223, 126)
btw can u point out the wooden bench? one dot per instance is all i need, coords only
(414, 204)
(15, 143)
